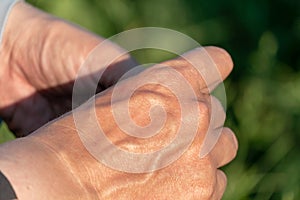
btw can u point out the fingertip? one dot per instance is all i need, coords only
(222, 59)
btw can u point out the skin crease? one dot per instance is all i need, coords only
(40, 64)
(78, 174)
(52, 162)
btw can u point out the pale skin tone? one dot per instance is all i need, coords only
(53, 163)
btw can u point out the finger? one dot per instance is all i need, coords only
(204, 68)
(217, 113)
(223, 62)
(221, 182)
(216, 120)
(214, 65)
(226, 148)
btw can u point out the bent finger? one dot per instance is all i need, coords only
(225, 149)
(216, 121)
(221, 182)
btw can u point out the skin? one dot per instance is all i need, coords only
(40, 64)
(53, 163)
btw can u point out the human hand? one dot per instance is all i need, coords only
(79, 175)
(39, 58)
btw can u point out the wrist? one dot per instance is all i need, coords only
(34, 45)
(32, 168)
(25, 26)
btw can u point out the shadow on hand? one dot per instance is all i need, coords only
(29, 114)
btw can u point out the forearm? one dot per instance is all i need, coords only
(22, 23)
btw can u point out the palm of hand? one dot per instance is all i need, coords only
(25, 106)
(40, 85)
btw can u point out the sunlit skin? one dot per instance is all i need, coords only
(52, 162)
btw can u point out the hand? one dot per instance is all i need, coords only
(77, 174)
(39, 65)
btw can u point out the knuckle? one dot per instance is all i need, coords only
(221, 184)
(222, 179)
(218, 112)
(186, 69)
(204, 108)
(208, 192)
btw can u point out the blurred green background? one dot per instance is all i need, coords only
(263, 91)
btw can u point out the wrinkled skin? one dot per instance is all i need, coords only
(39, 65)
(78, 174)
(53, 163)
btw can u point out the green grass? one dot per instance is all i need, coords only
(5, 134)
